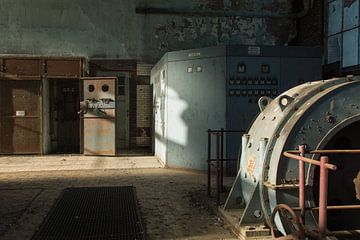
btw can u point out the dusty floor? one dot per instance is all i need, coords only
(173, 203)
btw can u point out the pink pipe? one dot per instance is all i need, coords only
(323, 192)
(302, 185)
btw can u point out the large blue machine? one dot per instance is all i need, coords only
(219, 87)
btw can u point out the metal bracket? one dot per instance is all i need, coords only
(284, 101)
(253, 213)
(263, 102)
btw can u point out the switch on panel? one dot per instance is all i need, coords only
(243, 81)
(265, 68)
(241, 68)
(268, 81)
(262, 80)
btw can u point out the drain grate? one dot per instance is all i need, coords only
(99, 213)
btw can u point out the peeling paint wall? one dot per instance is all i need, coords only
(112, 29)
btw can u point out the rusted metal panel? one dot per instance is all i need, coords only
(98, 83)
(20, 96)
(99, 116)
(20, 135)
(20, 117)
(21, 67)
(97, 66)
(64, 68)
(99, 136)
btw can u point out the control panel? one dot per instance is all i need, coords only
(248, 79)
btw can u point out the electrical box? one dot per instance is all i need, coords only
(219, 87)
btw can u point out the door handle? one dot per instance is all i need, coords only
(84, 107)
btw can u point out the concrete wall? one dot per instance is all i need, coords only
(112, 29)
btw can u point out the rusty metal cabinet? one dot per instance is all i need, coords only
(20, 117)
(22, 98)
(98, 116)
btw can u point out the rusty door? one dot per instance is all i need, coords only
(98, 116)
(20, 121)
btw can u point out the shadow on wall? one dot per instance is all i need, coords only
(182, 120)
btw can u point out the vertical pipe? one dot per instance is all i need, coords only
(222, 160)
(302, 185)
(209, 164)
(323, 191)
(218, 168)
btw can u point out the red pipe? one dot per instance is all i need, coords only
(323, 192)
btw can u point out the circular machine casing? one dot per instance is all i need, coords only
(322, 115)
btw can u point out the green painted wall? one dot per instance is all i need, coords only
(112, 29)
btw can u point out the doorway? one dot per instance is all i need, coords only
(64, 117)
(122, 113)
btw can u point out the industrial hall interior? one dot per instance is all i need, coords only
(179, 119)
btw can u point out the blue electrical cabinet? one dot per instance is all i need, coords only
(219, 87)
(253, 72)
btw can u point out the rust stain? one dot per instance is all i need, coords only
(251, 164)
(283, 31)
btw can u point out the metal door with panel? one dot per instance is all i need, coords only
(99, 116)
(20, 117)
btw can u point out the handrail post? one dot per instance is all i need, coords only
(323, 192)
(218, 168)
(302, 185)
(209, 164)
(222, 160)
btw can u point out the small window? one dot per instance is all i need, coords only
(105, 88)
(91, 88)
(199, 68)
(189, 69)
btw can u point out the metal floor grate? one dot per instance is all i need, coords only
(99, 213)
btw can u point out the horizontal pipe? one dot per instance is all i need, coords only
(353, 151)
(308, 160)
(341, 207)
(225, 13)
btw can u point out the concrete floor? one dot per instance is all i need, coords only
(173, 203)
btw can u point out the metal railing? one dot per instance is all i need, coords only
(219, 160)
(325, 166)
